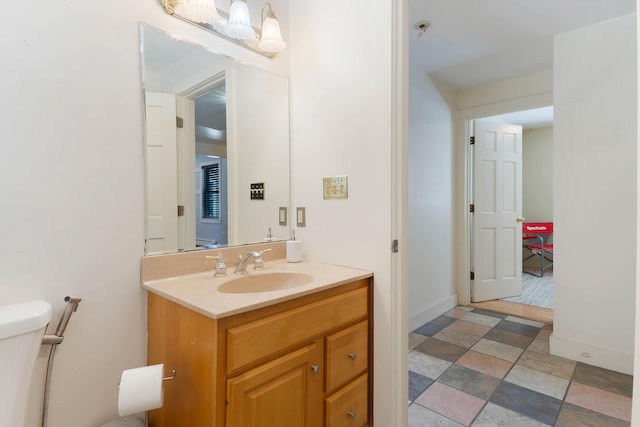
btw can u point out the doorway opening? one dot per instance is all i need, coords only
(202, 165)
(535, 298)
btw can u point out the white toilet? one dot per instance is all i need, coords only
(22, 327)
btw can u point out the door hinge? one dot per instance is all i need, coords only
(472, 140)
(180, 210)
(394, 246)
(472, 208)
(179, 122)
(472, 275)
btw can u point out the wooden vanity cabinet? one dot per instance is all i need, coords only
(300, 363)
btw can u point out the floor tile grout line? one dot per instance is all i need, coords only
(566, 392)
(486, 401)
(572, 380)
(503, 379)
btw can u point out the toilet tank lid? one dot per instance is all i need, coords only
(22, 318)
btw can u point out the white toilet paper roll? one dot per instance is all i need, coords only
(140, 390)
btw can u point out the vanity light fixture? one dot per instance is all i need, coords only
(200, 11)
(270, 37)
(239, 26)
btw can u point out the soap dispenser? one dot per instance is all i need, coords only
(294, 248)
(269, 237)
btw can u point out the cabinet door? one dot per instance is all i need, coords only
(286, 392)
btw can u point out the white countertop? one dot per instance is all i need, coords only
(200, 291)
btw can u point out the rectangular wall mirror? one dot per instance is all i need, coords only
(215, 130)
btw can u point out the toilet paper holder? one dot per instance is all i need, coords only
(172, 377)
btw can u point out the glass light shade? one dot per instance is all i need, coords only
(271, 39)
(202, 11)
(239, 26)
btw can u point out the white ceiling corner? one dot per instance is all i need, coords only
(470, 43)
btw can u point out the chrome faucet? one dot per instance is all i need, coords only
(258, 261)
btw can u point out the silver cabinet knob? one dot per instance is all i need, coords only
(352, 356)
(315, 368)
(352, 414)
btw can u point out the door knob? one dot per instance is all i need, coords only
(315, 368)
(521, 219)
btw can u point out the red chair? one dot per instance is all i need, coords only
(535, 238)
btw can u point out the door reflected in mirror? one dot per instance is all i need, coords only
(214, 130)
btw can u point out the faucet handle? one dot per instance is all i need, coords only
(221, 267)
(258, 261)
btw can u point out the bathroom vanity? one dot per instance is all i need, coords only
(297, 355)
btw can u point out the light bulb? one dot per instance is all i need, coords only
(239, 26)
(271, 39)
(201, 11)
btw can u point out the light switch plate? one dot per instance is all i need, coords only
(335, 187)
(282, 215)
(256, 191)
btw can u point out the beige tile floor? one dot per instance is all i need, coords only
(475, 368)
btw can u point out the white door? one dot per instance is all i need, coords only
(497, 198)
(186, 150)
(161, 174)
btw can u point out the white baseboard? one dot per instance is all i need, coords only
(429, 313)
(607, 358)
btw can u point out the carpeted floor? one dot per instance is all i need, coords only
(536, 291)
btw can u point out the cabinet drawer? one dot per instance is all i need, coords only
(347, 355)
(348, 406)
(255, 340)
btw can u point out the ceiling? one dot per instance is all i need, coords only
(161, 50)
(528, 119)
(211, 115)
(472, 42)
(174, 60)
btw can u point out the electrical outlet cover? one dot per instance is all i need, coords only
(301, 217)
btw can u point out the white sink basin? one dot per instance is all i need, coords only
(265, 282)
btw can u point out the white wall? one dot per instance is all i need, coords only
(588, 314)
(258, 151)
(595, 187)
(71, 92)
(537, 174)
(342, 93)
(431, 234)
